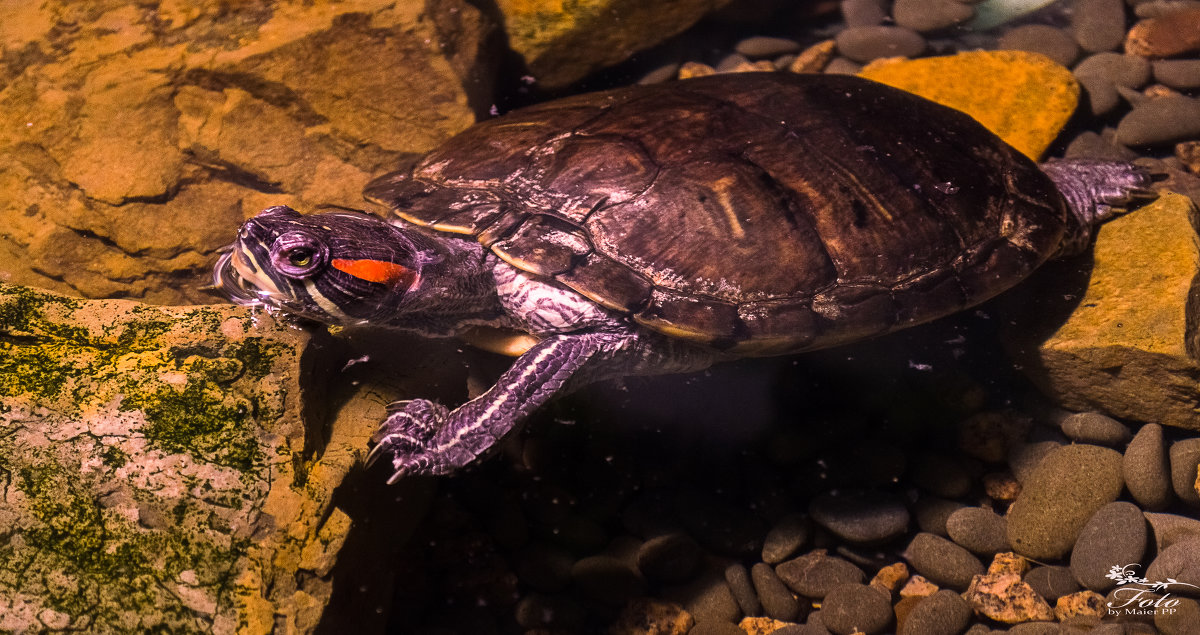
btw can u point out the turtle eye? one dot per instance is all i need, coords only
(296, 254)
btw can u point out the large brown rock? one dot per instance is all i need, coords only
(1130, 348)
(165, 469)
(564, 40)
(135, 138)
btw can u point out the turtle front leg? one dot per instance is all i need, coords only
(425, 438)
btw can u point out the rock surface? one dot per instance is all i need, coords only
(1130, 347)
(163, 474)
(561, 41)
(134, 139)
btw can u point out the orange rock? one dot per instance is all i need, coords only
(814, 58)
(1165, 36)
(1082, 605)
(891, 578)
(645, 615)
(1004, 597)
(1024, 98)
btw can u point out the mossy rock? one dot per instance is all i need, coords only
(159, 473)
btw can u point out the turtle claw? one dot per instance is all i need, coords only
(406, 434)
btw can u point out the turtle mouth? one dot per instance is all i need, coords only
(238, 277)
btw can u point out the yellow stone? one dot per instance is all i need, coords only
(1024, 98)
(1130, 347)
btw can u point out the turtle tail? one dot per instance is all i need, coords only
(1096, 191)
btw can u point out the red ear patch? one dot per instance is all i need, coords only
(380, 271)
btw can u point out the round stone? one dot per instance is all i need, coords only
(1179, 74)
(980, 530)
(1098, 25)
(943, 613)
(864, 12)
(1024, 458)
(1093, 427)
(1052, 582)
(716, 628)
(669, 558)
(1067, 487)
(1181, 563)
(1146, 469)
(738, 579)
(931, 15)
(814, 573)
(856, 608)
(1181, 621)
(933, 513)
(861, 517)
(1172, 528)
(942, 562)
(1161, 120)
(1114, 535)
(776, 599)
(1185, 457)
(866, 43)
(785, 538)
(761, 46)
(1044, 39)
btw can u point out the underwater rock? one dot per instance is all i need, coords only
(161, 474)
(1129, 349)
(134, 140)
(1024, 98)
(561, 45)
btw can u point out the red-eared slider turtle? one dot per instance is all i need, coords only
(658, 229)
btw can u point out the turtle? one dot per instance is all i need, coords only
(664, 228)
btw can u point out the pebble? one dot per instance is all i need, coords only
(607, 580)
(842, 66)
(1179, 562)
(1052, 582)
(1122, 70)
(1163, 120)
(933, 512)
(980, 530)
(813, 574)
(669, 558)
(866, 43)
(861, 517)
(707, 599)
(942, 561)
(1098, 25)
(932, 15)
(1146, 468)
(1169, 529)
(813, 59)
(1059, 497)
(1096, 428)
(731, 62)
(943, 613)
(1181, 621)
(1179, 74)
(856, 608)
(1116, 534)
(941, 475)
(1158, 8)
(1185, 457)
(663, 73)
(776, 599)
(738, 579)
(1044, 39)
(1034, 628)
(785, 538)
(1170, 35)
(864, 12)
(761, 46)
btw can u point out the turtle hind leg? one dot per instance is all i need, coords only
(1096, 191)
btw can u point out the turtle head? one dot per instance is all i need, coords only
(336, 267)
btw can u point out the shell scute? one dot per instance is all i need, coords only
(543, 245)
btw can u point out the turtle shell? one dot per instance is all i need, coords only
(760, 212)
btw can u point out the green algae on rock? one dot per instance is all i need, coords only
(157, 471)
